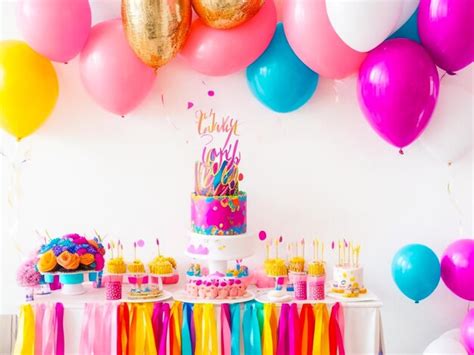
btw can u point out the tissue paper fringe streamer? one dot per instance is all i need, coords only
(40, 329)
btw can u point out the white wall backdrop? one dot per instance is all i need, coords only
(320, 171)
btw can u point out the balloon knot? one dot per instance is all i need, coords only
(416, 302)
(65, 62)
(123, 116)
(450, 73)
(450, 163)
(401, 152)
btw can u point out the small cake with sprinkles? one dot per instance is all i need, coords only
(116, 265)
(136, 266)
(162, 265)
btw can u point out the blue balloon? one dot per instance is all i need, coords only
(279, 79)
(409, 29)
(416, 271)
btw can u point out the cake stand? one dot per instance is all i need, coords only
(217, 250)
(72, 282)
(160, 279)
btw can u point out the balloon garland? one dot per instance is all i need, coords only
(319, 37)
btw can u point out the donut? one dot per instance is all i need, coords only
(47, 261)
(87, 259)
(69, 261)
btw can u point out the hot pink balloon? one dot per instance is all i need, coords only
(446, 31)
(467, 331)
(111, 72)
(57, 29)
(457, 268)
(398, 89)
(222, 52)
(315, 42)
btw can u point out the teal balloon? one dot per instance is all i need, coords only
(409, 29)
(279, 79)
(416, 271)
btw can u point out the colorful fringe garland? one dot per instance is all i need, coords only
(40, 330)
(186, 329)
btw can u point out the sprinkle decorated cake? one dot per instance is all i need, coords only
(116, 264)
(348, 275)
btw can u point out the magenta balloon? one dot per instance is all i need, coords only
(446, 31)
(457, 268)
(315, 42)
(111, 72)
(467, 331)
(222, 52)
(398, 88)
(58, 29)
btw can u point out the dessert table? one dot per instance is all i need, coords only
(362, 329)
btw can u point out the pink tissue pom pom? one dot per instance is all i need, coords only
(27, 276)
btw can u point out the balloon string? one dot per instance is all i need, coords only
(336, 85)
(457, 208)
(14, 191)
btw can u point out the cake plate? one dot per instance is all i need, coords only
(165, 295)
(369, 296)
(182, 296)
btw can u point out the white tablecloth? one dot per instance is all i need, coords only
(363, 323)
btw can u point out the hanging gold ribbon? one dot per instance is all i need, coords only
(142, 339)
(269, 329)
(25, 341)
(321, 330)
(209, 330)
(198, 328)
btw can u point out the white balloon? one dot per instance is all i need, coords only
(448, 136)
(452, 334)
(364, 24)
(408, 8)
(444, 346)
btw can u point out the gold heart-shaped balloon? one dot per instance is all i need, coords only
(156, 29)
(225, 14)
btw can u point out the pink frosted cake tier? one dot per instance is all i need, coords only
(219, 215)
(219, 288)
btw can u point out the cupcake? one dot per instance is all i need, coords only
(316, 268)
(116, 266)
(277, 268)
(296, 264)
(267, 264)
(161, 266)
(136, 267)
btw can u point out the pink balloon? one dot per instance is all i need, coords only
(457, 268)
(467, 332)
(57, 29)
(111, 72)
(315, 42)
(222, 52)
(398, 89)
(445, 28)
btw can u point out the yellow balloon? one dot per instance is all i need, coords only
(28, 88)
